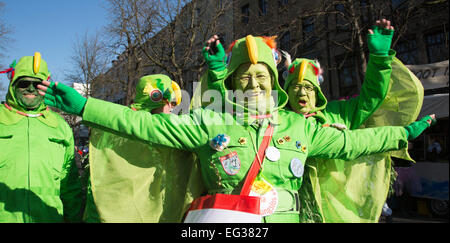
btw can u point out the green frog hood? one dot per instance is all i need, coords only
(254, 50)
(13, 112)
(28, 66)
(153, 91)
(306, 69)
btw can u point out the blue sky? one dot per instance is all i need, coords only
(50, 27)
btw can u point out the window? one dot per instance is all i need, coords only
(347, 76)
(365, 18)
(308, 25)
(407, 51)
(285, 41)
(399, 4)
(437, 46)
(283, 2)
(263, 5)
(308, 31)
(341, 23)
(245, 11)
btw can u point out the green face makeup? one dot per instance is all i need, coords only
(302, 97)
(26, 93)
(254, 80)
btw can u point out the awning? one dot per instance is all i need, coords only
(435, 104)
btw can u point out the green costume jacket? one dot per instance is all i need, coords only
(294, 137)
(355, 191)
(334, 190)
(320, 190)
(38, 177)
(351, 113)
(39, 180)
(131, 181)
(193, 132)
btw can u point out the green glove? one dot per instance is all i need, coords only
(217, 61)
(414, 129)
(65, 98)
(379, 42)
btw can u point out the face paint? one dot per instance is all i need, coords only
(302, 97)
(255, 81)
(26, 93)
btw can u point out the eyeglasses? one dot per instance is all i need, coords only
(26, 84)
(308, 88)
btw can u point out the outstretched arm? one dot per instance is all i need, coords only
(183, 132)
(330, 143)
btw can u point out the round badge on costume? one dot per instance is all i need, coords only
(297, 167)
(272, 153)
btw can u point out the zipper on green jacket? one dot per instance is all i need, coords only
(27, 216)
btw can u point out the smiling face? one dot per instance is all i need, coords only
(27, 94)
(255, 81)
(302, 97)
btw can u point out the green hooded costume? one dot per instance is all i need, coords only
(339, 191)
(39, 180)
(294, 137)
(355, 191)
(132, 181)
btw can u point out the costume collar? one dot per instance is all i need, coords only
(23, 113)
(10, 116)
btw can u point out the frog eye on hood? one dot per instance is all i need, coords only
(320, 79)
(156, 95)
(276, 56)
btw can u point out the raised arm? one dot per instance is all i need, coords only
(215, 57)
(374, 89)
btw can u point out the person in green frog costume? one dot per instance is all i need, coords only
(134, 182)
(343, 197)
(354, 191)
(226, 142)
(35, 186)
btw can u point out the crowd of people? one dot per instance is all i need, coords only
(258, 153)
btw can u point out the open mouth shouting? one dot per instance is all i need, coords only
(302, 102)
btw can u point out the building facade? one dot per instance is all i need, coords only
(334, 32)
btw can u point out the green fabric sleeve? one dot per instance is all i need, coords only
(185, 132)
(414, 129)
(326, 142)
(215, 78)
(71, 191)
(357, 110)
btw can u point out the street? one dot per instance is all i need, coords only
(414, 219)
